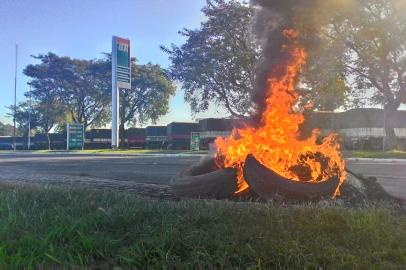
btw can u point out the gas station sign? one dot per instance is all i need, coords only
(195, 141)
(75, 136)
(121, 62)
(121, 79)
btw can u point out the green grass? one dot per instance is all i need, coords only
(108, 151)
(55, 227)
(137, 151)
(111, 151)
(90, 151)
(376, 154)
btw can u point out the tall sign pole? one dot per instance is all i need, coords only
(121, 79)
(115, 105)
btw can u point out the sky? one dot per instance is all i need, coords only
(83, 29)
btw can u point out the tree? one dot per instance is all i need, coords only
(44, 117)
(80, 90)
(325, 85)
(148, 98)
(217, 61)
(26, 118)
(371, 36)
(6, 129)
(45, 84)
(85, 93)
(78, 86)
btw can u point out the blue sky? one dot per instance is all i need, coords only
(83, 29)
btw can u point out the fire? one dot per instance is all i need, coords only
(275, 142)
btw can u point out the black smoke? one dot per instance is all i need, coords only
(271, 18)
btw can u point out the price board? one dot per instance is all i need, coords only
(195, 141)
(121, 61)
(75, 138)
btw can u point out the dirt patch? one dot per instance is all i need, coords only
(361, 190)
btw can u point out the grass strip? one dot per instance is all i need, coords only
(376, 154)
(48, 226)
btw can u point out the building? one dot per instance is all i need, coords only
(211, 128)
(360, 128)
(178, 134)
(156, 137)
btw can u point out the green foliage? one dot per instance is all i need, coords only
(362, 43)
(324, 78)
(25, 118)
(372, 34)
(216, 63)
(374, 37)
(72, 90)
(6, 129)
(40, 116)
(45, 84)
(326, 92)
(148, 98)
(55, 227)
(73, 86)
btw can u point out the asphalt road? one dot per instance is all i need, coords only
(156, 169)
(390, 173)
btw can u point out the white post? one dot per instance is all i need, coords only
(115, 105)
(67, 137)
(384, 129)
(29, 123)
(83, 137)
(15, 101)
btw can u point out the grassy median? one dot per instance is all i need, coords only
(108, 151)
(54, 226)
(395, 154)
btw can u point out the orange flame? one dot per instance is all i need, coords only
(275, 143)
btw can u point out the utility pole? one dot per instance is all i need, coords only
(15, 101)
(29, 123)
(384, 128)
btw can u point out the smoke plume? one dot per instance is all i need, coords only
(271, 18)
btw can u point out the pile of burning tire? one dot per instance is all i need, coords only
(206, 180)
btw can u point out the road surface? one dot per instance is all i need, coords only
(125, 170)
(390, 173)
(138, 168)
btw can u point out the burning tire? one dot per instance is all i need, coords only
(205, 180)
(266, 183)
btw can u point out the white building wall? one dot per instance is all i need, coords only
(370, 132)
(214, 134)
